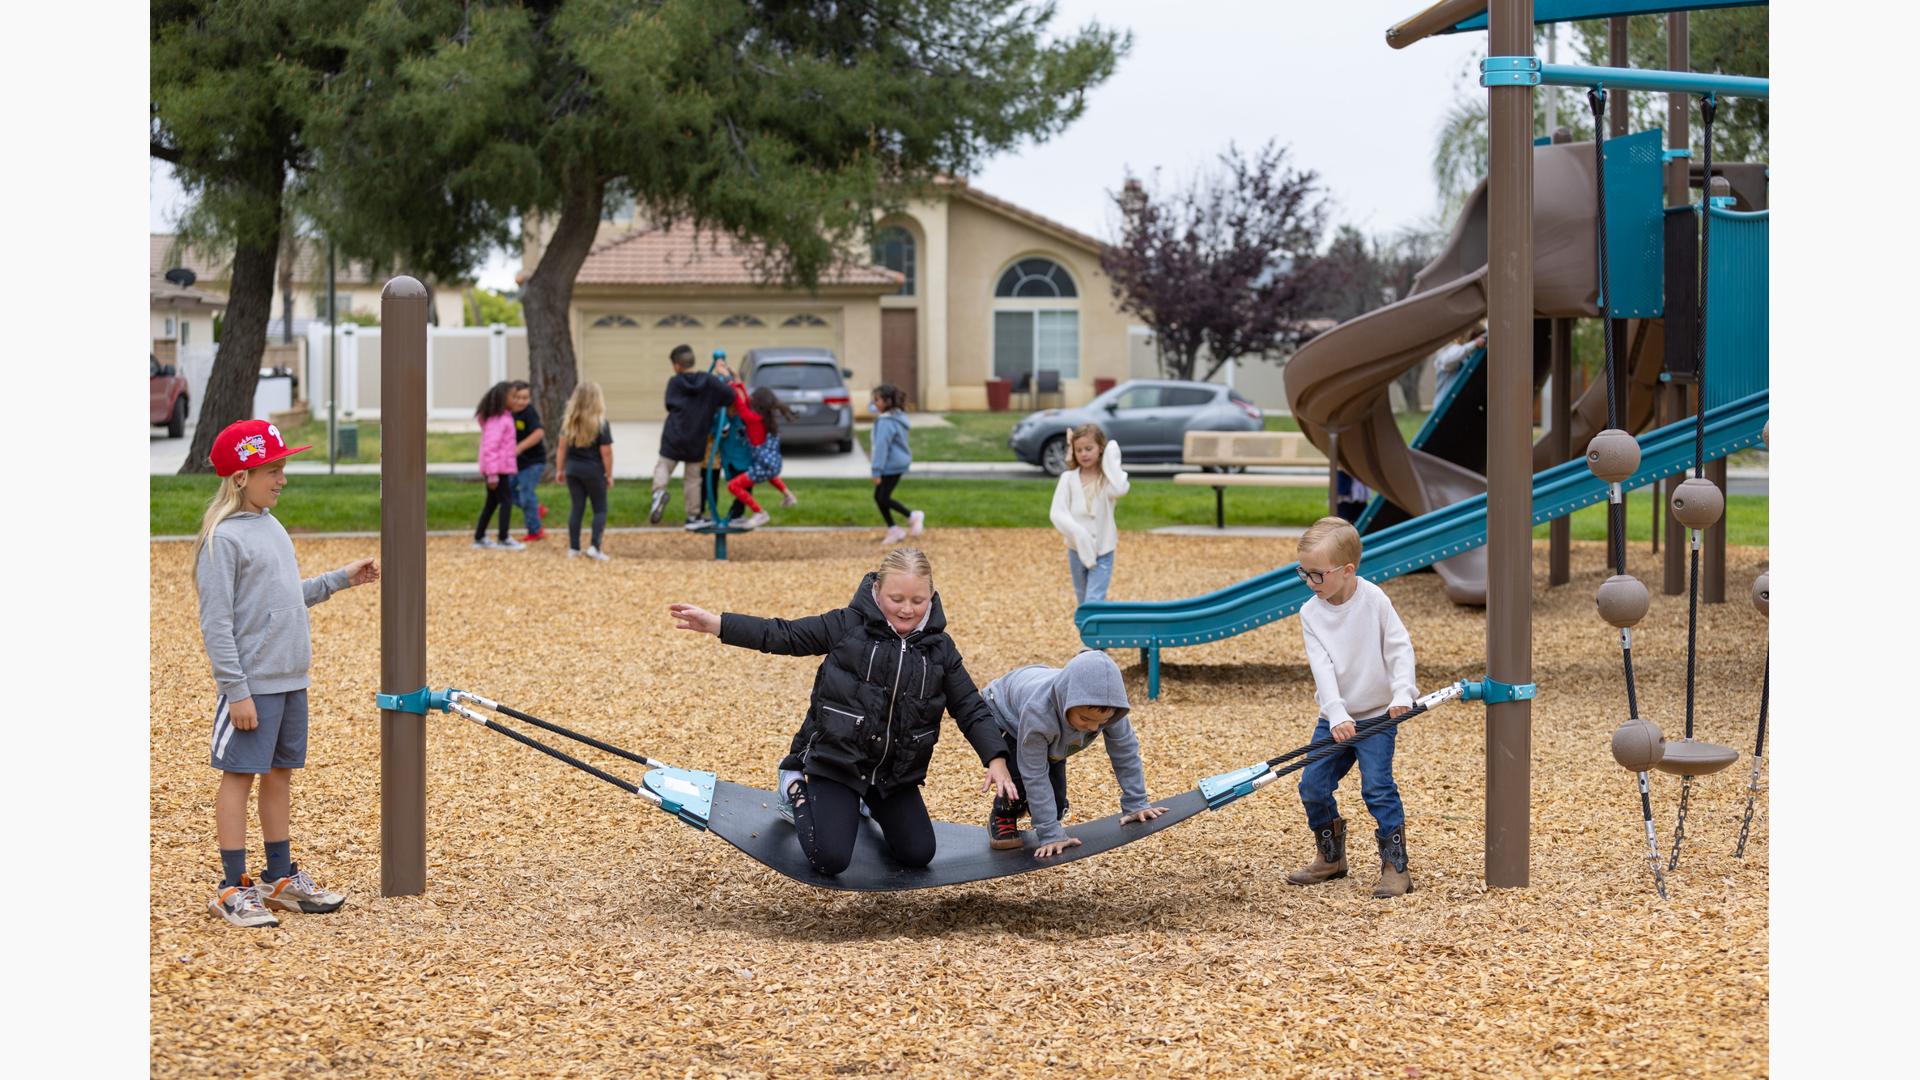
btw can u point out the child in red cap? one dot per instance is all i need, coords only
(253, 620)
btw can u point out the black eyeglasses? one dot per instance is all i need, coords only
(1317, 577)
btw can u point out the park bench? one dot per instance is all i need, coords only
(1224, 450)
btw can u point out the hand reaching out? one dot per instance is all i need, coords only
(999, 781)
(361, 572)
(689, 617)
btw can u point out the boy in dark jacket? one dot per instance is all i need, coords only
(692, 399)
(890, 671)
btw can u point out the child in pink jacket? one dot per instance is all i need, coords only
(497, 466)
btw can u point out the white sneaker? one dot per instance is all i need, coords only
(695, 524)
(510, 544)
(789, 499)
(596, 553)
(487, 544)
(894, 536)
(916, 522)
(297, 892)
(573, 553)
(758, 520)
(240, 905)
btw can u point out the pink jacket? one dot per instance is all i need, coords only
(497, 454)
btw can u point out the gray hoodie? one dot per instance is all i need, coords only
(253, 607)
(1030, 703)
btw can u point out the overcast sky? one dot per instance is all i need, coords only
(1202, 73)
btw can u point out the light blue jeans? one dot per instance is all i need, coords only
(1091, 584)
(526, 494)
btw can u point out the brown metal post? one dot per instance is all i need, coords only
(403, 584)
(1560, 442)
(1673, 399)
(1509, 450)
(1617, 101)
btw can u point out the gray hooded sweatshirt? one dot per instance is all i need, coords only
(1030, 703)
(253, 607)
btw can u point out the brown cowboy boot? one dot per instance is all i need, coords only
(1330, 856)
(1394, 879)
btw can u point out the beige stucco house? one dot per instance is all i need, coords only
(181, 317)
(356, 287)
(963, 287)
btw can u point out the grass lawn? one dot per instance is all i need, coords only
(352, 503)
(441, 445)
(974, 436)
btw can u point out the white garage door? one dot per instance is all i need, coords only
(626, 351)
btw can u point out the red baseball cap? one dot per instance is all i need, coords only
(249, 444)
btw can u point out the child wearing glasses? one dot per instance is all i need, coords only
(1362, 661)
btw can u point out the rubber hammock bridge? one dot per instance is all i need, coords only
(748, 818)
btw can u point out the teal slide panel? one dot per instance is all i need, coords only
(1636, 229)
(1552, 11)
(1736, 306)
(1156, 624)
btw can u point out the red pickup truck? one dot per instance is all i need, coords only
(166, 397)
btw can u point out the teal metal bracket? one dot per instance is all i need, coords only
(1510, 71)
(1226, 787)
(1494, 692)
(1673, 153)
(420, 702)
(684, 793)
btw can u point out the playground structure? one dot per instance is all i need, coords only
(1452, 515)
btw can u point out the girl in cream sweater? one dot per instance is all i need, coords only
(1083, 510)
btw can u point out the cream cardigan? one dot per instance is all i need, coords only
(1087, 526)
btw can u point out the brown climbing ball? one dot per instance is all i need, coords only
(1760, 591)
(1613, 455)
(1697, 502)
(1623, 600)
(1638, 745)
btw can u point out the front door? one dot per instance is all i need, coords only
(900, 350)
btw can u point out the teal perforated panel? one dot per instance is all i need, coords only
(1736, 306)
(1635, 236)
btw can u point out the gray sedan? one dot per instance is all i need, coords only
(1150, 418)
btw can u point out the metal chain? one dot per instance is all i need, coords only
(1653, 842)
(1759, 745)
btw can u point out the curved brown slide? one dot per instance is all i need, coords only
(1337, 383)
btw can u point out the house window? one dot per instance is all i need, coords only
(1025, 341)
(613, 320)
(741, 320)
(344, 299)
(1035, 278)
(893, 249)
(167, 331)
(804, 319)
(678, 320)
(185, 326)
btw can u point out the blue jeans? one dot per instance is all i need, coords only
(1375, 755)
(1091, 584)
(526, 494)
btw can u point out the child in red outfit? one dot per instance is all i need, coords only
(761, 411)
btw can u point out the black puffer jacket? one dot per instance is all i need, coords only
(877, 700)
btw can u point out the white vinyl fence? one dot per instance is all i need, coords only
(462, 362)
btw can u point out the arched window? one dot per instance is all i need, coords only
(678, 320)
(1034, 278)
(893, 248)
(804, 319)
(1036, 321)
(741, 320)
(613, 320)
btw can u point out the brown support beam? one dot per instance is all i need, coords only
(1433, 20)
(1673, 399)
(1713, 554)
(403, 584)
(1509, 725)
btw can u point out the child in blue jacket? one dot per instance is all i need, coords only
(891, 460)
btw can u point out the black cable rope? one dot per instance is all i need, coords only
(528, 740)
(1361, 729)
(640, 759)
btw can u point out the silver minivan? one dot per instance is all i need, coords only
(811, 383)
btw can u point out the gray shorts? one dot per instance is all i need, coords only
(278, 741)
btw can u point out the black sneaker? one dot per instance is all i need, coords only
(1003, 826)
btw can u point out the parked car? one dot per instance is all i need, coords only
(1150, 419)
(167, 401)
(810, 382)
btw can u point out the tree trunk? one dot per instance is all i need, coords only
(544, 301)
(236, 363)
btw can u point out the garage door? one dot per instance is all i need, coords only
(626, 351)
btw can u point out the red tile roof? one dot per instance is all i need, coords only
(678, 256)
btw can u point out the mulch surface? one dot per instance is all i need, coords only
(569, 929)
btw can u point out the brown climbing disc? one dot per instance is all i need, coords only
(1622, 600)
(1686, 757)
(1761, 592)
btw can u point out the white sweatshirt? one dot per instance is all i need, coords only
(1087, 524)
(1361, 656)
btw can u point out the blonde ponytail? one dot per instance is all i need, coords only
(228, 499)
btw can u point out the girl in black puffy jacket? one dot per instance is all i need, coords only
(890, 671)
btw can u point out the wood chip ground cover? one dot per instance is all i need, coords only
(570, 930)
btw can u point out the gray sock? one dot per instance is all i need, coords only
(279, 859)
(233, 867)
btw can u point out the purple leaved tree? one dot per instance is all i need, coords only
(1224, 265)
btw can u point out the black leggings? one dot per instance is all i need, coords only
(883, 497)
(500, 495)
(584, 486)
(1056, 778)
(827, 818)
